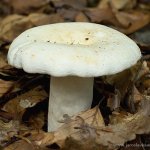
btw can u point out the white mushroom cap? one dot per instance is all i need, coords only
(80, 49)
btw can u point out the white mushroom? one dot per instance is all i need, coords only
(73, 54)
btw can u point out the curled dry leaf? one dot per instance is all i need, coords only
(81, 17)
(125, 80)
(77, 4)
(3, 62)
(18, 105)
(142, 38)
(144, 69)
(113, 102)
(5, 86)
(72, 127)
(124, 4)
(81, 128)
(136, 95)
(147, 83)
(21, 145)
(67, 13)
(36, 121)
(8, 129)
(4, 8)
(103, 4)
(132, 20)
(39, 19)
(87, 144)
(101, 16)
(24, 7)
(121, 82)
(14, 25)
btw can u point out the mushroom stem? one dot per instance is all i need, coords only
(68, 95)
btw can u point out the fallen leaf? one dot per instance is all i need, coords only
(103, 4)
(18, 105)
(28, 6)
(136, 95)
(4, 8)
(121, 81)
(124, 4)
(73, 126)
(132, 20)
(136, 144)
(92, 3)
(144, 69)
(8, 129)
(144, 4)
(5, 86)
(128, 128)
(112, 136)
(38, 19)
(77, 4)
(37, 121)
(86, 144)
(101, 16)
(12, 26)
(114, 101)
(146, 83)
(81, 17)
(21, 145)
(67, 14)
(3, 62)
(142, 38)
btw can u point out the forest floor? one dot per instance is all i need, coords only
(121, 101)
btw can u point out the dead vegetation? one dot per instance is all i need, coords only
(120, 116)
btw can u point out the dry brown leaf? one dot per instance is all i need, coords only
(121, 81)
(8, 129)
(4, 8)
(67, 13)
(36, 121)
(87, 144)
(145, 5)
(146, 83)
(124, 80)
(112, 135)
(144, 69)
(12, 26)
(136, 95)
(132, 20)
(103, 4)
(136, 144)
(81, 17)
(73, 126)
(78, 4)
(24, 7)
(123, 4)
(40, 19)
(101, 16)
(117, 117)
(114, 101)
(5, 86)
(128, 128)
(142, 38)
(3, 62)
(18, 105)
(21, 145)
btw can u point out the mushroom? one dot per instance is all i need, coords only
(73, 54)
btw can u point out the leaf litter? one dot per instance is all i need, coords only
(119, 118)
